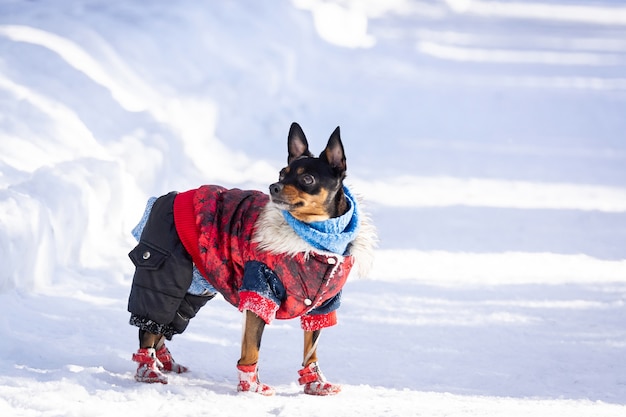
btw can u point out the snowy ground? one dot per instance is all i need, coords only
(486, 137)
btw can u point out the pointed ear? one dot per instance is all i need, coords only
(334, 153)
(297, 144)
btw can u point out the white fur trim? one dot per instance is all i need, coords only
(273, 234)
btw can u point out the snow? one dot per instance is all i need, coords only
(486, 138)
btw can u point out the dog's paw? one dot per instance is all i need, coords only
(148, 369)
(167, 363)
(315, 383)
(256, 387)
(249, 381)
(150, 375)
(322, 388)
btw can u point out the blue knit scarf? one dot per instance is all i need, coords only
(332, 235)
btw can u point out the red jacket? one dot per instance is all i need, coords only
(218, 228)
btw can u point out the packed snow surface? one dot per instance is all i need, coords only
(485, 137)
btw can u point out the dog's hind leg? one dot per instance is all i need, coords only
(152, 346)
(149, 368)
(149, 340)
(247, 366)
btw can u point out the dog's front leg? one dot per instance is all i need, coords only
(247, 365)
(310, 375)
(253, 327)
(310, 347)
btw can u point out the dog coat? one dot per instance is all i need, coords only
(243, 247)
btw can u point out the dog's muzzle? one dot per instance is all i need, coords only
(276, 189)
(276, 195)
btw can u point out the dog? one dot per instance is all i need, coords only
(279, 256)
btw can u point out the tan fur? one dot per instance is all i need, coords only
(251, 338)
(310, 348)
(307, 208)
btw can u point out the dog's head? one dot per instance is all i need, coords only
(311, 188)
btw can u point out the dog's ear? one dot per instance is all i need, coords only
(297, 144)
(334, 153)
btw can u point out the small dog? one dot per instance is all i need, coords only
(282, 256)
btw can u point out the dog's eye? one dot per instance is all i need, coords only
(307, 179)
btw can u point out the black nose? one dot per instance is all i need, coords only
(276, 188)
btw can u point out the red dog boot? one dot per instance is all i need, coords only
(315, 383)
(249, 381)
(168, 364)
(148, 368)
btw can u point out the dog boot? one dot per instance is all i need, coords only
(164, 357)
(315, 383)
(148, 368)
(249, 381)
